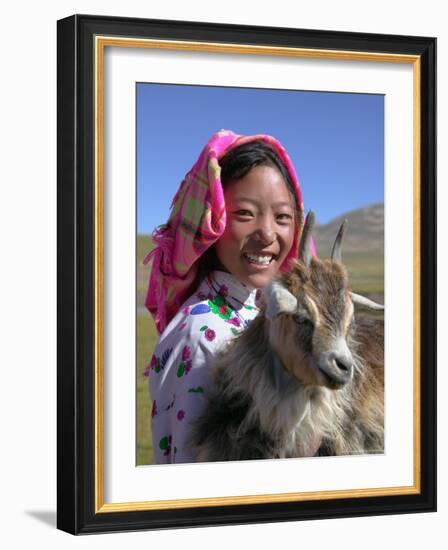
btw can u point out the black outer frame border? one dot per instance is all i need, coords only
(75, 272)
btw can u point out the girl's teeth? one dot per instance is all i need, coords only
(259, 259)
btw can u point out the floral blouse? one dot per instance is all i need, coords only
(179, 371)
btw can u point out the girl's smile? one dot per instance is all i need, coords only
(259, 228)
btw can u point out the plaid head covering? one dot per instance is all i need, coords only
(197, 220)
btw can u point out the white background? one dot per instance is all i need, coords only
(123, 481)
(28, 274)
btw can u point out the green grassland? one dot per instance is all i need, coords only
(146, 339)
(366, 272)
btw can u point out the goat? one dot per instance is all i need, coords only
(304, 379)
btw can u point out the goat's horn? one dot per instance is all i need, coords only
(363, 301)
(305, 241)
(336, 253)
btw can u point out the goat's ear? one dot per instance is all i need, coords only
(278, 300)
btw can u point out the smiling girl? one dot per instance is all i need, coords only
(234, 223)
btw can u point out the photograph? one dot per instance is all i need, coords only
(222, 243)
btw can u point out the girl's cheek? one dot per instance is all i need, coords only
(288, 232)
(229, 239)
(234, 232)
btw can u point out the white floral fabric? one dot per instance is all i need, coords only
(179, 371)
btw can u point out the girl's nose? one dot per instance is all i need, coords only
(265, 232)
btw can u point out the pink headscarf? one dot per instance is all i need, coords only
(197, 220)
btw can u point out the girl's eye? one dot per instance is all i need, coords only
(243, 213)
(284, 217)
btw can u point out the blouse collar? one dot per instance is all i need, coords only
(233, 290)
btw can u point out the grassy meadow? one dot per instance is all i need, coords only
(366, 272)
(146, 340)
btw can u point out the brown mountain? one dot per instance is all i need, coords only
(364, 232)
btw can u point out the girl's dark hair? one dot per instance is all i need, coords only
(236, 164)
(239, 161)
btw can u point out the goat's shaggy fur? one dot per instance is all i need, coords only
(270, 399)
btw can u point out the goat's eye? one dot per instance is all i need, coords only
(352, 324)
(304, 321)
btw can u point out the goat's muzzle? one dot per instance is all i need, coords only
(336, 366)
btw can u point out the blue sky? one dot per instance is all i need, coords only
(335, 141)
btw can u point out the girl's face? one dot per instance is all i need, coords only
(260, 226)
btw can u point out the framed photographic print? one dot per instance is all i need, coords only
(190, 156)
